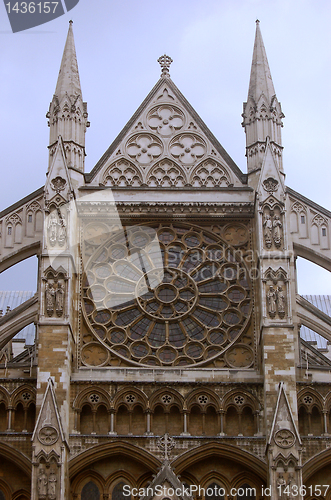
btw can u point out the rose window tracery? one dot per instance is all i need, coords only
(185, 313)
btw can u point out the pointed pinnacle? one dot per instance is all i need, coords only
(260, 79)
(68, 80)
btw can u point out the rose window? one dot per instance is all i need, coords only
(183, 309)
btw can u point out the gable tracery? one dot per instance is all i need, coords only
(166, 131)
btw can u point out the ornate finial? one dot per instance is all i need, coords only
(165, 62)
(257, 21)
(166, 443)
(71, 22)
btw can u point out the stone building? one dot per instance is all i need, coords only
(168, 347)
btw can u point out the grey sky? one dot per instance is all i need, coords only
(211, 43)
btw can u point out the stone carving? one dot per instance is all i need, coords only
(48, 435)
(166, 174)
(271, 301)
(267, 230)
(281, 302)
(165, 62)
(284, 438)
(272, 227)
(276, 302)
(58, 184)
(235, 234)
(210, 174)
(144, 148)
(277, 231)
(270, 185)
(54, 298)
(187, 148)
(52, 482)
(166, 443)
(94, 355)
(56, 228)
(281, 485)
(123, 173)
(166, 120)
(240, 356)
(42, 483)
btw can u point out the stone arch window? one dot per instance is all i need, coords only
(102, 420)
(316, 425)
(247, 422)
(175, 421)
(159, 421)
(195, 426)
(211, 421)
(232, 427)
(138, 420)
(214, 491)
(303, 421)
(86, 420)
(3, 417)
(123, 418)
(19, 418)
(30, 417)
(118, 493)
(90, 492)
(246, 492)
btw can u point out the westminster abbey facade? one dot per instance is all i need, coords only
(167, 345)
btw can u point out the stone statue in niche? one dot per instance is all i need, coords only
(54, 298)
(52, 481)
(56, 228)
(59, 299)
(281, 485)
(272, 302)
(42, 483)
(50, 295)
(277, 231)
(281, 301)
(267, 232)
(276, 302)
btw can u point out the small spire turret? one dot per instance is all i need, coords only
(262, 112)
(67, 113)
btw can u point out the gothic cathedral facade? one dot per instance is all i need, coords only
(168, 348)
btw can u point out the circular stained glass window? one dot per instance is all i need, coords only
(171, 296)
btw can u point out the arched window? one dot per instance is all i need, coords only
(86, 420)
(214, 492)
(90, 492)
(118, 494)
(3, 419)
(246, 492)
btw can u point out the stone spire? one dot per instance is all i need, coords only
(262, 112)
(67, 112)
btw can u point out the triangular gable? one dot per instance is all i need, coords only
(163, 481)
(283, 421)
(58, 185)
(166, 126)
(48, 427)
(271, 181)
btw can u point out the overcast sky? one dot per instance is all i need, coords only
(211, 44)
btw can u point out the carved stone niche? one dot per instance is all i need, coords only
(56, 227)
(47, 479)
(272, 222)
(276, 293)
(54, 292)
